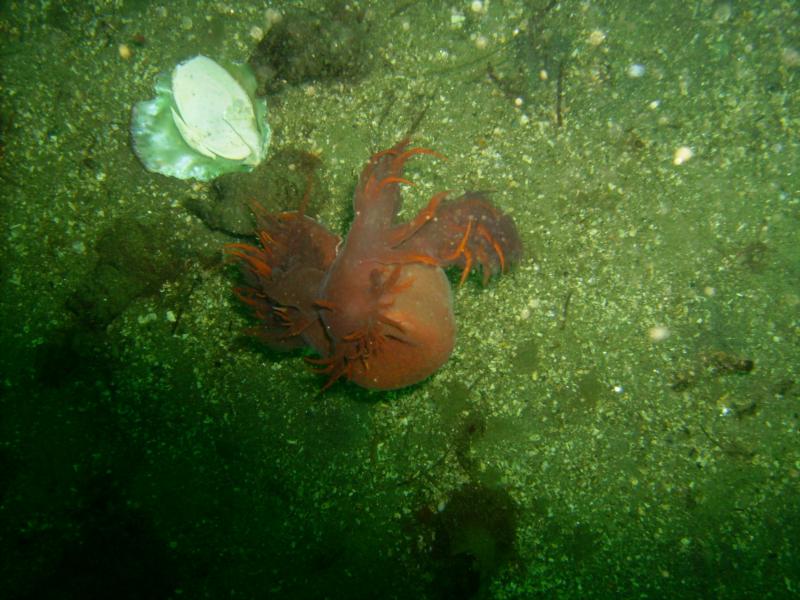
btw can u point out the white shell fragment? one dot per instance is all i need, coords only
(214, 113)
(205, 120)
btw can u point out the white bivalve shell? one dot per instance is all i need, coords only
(213, 113)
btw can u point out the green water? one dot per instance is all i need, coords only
(620, 416)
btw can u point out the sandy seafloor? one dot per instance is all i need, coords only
(620, 416)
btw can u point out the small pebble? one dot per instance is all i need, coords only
(682, 154)
(256, 33)
(272, 16)
(790, 57)
(597, 37)
(635, 71)
(722, 13)
(658, 333)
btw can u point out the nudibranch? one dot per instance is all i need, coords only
(377, 307)
(204, 121)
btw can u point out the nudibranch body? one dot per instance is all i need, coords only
(377, 308)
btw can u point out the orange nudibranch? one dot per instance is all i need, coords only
(377, 308)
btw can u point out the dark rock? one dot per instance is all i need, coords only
(278, 184)
(305, 46)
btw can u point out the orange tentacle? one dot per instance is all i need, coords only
(467, 266)
(391, 179)
(325, 304)
(484, 233)
(401, 158)
(461, 248)
(403, 232)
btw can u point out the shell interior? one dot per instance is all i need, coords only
(214, 113)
